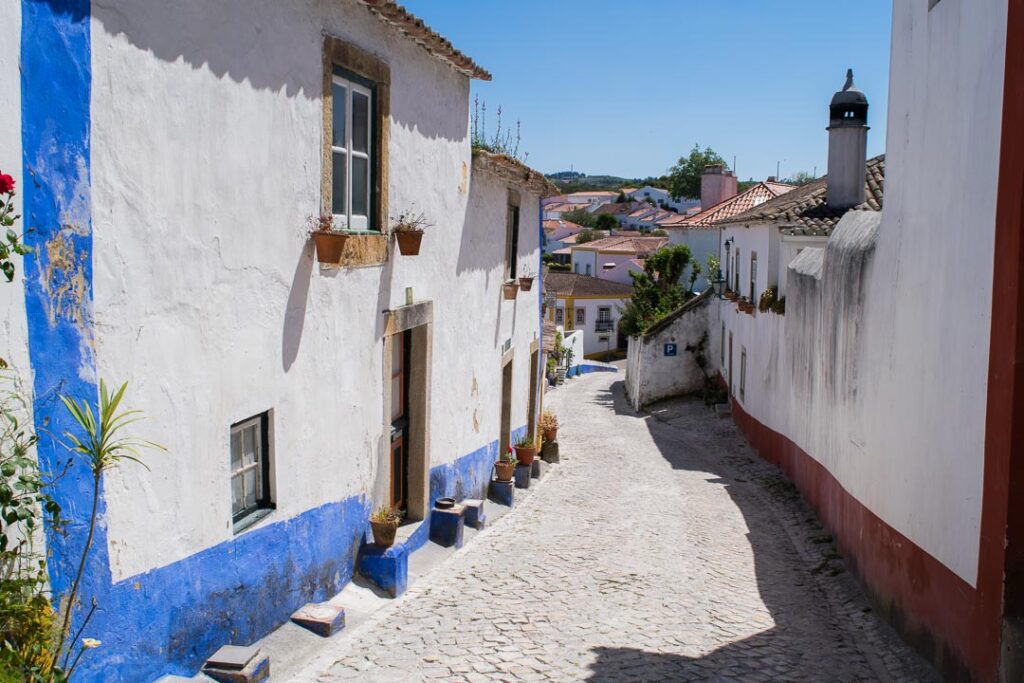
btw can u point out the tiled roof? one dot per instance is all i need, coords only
(614, 208)
(737, 204)
(595, 193)
(562, 283)
(514, 171)
(804, 211)
(565, 207)
(554, 225)
(625, 244)
(412, 26)
(571, 239)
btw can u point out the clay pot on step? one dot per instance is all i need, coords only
(504, 470)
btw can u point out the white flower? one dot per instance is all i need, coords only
(90, 643)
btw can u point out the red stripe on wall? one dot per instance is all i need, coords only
(935, 610)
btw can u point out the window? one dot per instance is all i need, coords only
(604, 320)
(559, 316)
(736, 270)
(353, 157)
(250, 471)
(581, 317)
(743, 373)
(753, 277)
(588, 269)
(576, 268)
(512, 236)
(356, 115)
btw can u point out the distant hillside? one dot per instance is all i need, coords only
(573, 181)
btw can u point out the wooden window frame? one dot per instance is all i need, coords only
(580, 317)
(264, 502)
(512, 219)
(358, 65)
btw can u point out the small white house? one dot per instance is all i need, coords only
(590, 305)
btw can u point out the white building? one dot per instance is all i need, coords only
(662, 198)
(890, 391)
(590, 305)
(174, 159)
(612, 258)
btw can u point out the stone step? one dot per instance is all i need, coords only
(238, 664)
(323, 619)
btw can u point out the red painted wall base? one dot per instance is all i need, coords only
(935, 610)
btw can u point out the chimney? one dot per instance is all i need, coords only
(847, 146)
(716, 184)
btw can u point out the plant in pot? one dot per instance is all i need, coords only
(549, 425)
(330, 242)
(526, 449)
(505, 466)
(384, 521)
(510, 289)
(526, 281)
(408, 229)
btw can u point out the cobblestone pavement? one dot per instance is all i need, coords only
(659, 549)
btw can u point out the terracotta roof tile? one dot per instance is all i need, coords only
(744, 201)
(415, 28)
(625, 244)
(553, 225)
(563, 284)
(804, 211)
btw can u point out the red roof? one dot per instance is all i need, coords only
(553, 225)
(727, 208)
(624, 244)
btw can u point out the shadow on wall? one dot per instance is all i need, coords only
(802, 600)
(277, 47)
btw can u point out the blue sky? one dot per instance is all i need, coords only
(626, 88)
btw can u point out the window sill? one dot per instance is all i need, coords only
(251, 520)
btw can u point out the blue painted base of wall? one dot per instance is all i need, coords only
(388, 568)
(585, 368)
(446, 527)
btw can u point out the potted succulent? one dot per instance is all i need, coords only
(330, 242)
(384, 521)
(549, 425)
(510, 289)
(526, 449)
(408, 229)
(505, 466)
(526, 281)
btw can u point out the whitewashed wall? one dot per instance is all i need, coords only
(590, 339)
(206, 163)
(908, 442)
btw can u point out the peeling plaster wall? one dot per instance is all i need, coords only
(879, 368)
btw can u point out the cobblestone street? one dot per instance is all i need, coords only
(660, 549)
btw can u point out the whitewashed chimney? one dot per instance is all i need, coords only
(847, 146)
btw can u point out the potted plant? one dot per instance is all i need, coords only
(526, 281)
(330, 242)
(505, 466)
(408, 229)
(549, 425)
(510, 289)
(384, 521)
(526, 449)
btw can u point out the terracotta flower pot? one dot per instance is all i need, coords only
(504, 470)
(383, 533)
(409, 241)
(550, 434)
(526, 283)
(510, 290)
(330, 245)
(526, 454)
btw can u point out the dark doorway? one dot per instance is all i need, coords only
(506, 407)
(400, 356)
(532, 414)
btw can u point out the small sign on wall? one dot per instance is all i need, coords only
(671, 349)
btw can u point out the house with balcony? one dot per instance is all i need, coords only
(588, 304)
(613, 258)
(294, 390)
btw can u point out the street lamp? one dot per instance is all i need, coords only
(717, 284)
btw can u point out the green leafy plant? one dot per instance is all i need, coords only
(525, 441)
(714, 267)
(656, 290)
(10, 241)
(779, 306)
(767, 300)
(102, 444)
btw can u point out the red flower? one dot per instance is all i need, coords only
(6, 184)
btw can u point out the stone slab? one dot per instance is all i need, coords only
(233, 656)
(256, 670)
(322, 619)
(538, 468)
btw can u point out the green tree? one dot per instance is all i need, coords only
(800, 178)
(580, 217)
(656, 291)
(685, 175)
(585, 235)
(606, 221)
(621, 199)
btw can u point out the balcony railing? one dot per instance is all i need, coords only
(604, 326)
